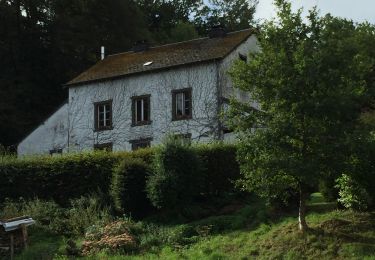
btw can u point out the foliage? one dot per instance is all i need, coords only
(233, 15)
(57, 178)
(46, 43)
(60, 178)
(74, 175)
(219, 166)
(71, 221)
(352, 194)
(177, 176)
(310, 81)
(128, 187)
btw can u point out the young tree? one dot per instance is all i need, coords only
(310, 81)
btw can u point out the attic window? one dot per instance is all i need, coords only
(242, 57)
(148, 63)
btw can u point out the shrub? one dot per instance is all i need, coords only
(351, 194)
(73, 220)
(61, 178)
(74, 175)
(85, 212)
(327, 188)
(128, 187)
(220, 167)
(177, 177)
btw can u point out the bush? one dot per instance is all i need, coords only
(351, 194)
(73, 220)
(60, 178)
(74, 175)
(128, 187)
(220, 167)
(177, 177)
(327, 188)
(85, 212)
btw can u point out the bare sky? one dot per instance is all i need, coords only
(357, 10)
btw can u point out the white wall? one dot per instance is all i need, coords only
(250, 45)
(203, 126)
(52, 134)
(71, 128)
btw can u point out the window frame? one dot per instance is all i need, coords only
(242, 57)
(96, 114)
(175, 92)
(104, 147)
(56, 151)
(136, 142)
(134, 101)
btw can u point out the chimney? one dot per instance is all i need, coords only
(217, 31)
(141, 45)
(102, 52)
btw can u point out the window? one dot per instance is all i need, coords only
(141, 110)
(54, 152)
(104, 147)
(103, 115)
(181, 104)
(141, 143)
(242, 57)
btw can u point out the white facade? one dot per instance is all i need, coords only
(49, 137)
(209, 84)
(203, 125)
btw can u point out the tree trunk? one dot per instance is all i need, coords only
(302, 225)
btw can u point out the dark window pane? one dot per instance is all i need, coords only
(101, 108)
(139, 110)
(187, 103)
(145, 109)
(179, 104)
(140, 144)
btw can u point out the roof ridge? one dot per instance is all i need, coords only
(175, 43)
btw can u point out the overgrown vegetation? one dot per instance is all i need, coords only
(251, 232)
(312, 80)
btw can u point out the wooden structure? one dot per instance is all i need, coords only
(13, 235)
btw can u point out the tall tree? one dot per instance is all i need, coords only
(234, 15)
(311, 82)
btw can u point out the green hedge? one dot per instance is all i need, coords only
(220, 167)
(128, 187)
(60, 178)
(73, 175)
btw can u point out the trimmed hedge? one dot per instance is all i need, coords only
(177, 177)
(70, 176)
(220, 167)
(60, 178)
(128, 187)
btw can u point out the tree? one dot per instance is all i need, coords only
(311, 81)
(234, 15)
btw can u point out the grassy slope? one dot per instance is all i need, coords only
(333, 235)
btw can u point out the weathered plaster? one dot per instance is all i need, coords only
(203, 126)
(52, 134)
(250, 45)
(71, 128)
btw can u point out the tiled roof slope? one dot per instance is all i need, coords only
(166, 56)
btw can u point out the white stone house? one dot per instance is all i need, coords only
(133, 99)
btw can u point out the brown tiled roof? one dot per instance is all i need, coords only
(166, 56)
